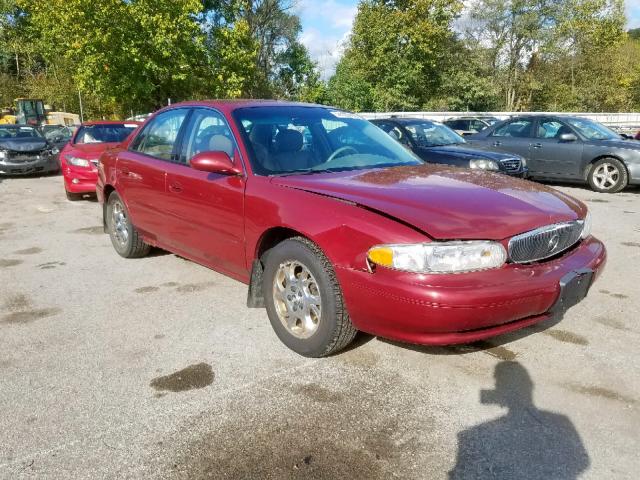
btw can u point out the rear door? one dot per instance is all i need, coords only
(553, 156)
(206, 210)
(514, 136)
(141, 171)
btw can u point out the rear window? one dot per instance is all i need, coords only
(113, 133)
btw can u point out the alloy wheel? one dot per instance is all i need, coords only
(297, 299)
(120, 222)
(606, 176)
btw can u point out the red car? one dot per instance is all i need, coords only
(336, 227)
(79, 157)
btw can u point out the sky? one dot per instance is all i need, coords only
(326, 25)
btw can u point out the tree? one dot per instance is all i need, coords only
(395, 54)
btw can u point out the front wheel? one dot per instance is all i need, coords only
(304, 301)
(608, 175)
(125, 238)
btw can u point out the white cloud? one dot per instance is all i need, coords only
(324, 49)
(327, 26)
(633, 13)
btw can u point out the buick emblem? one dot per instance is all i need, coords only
(553, 242)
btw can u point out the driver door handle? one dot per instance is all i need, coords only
(537, 145)
(175, 187)
(497, 144)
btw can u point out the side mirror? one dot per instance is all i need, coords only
(568, 137)
(215, 162)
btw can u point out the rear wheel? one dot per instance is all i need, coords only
(125, 238)
(608, 175)
(304, 301)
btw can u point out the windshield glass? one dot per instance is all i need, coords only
(7, 133)
(291, 139)
(430, 134)
(56, 132)
(592, 130)
(112, 133)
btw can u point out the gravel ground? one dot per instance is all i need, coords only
(154, 368)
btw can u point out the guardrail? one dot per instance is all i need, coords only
(620, 120)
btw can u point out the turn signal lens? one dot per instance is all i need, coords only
(440, 257)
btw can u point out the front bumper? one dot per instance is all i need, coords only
(79, 180)
(461, 308)
(40, 164)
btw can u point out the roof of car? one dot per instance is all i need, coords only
(17, 125)
(231, 105)
(109, 122)
(404, 120)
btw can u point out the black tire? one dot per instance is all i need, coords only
(334, 328)
(132, 246)
(72, 197)
(621, 177)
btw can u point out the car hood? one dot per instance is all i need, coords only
(23, 144)
(469, 152)
(89, 150)
(446, 203)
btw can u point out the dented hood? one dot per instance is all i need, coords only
(446, 203)
(31, 144)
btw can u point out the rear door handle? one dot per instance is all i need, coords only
(537, 145)
(175, 187)
(497, 144)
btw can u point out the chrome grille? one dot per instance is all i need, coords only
(26, 156)
(511, 164)
(544, 242)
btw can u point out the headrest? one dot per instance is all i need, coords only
(261, 134)
(220, 143)
(289, 141)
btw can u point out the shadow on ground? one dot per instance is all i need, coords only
(525, 443)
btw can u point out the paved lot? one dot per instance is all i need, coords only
(113, 368)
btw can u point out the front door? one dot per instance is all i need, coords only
(206, 210)
(513, 137)
(553, 156)
(141, 171)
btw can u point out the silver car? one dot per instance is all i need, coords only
(566, 148)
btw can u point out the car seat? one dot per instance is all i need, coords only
(288, 154)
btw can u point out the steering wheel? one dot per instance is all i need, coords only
(341, 151)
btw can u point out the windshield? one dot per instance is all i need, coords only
(430, 134)
(7, 133)
(291, 139)
(56, 132)
(111, 133)
(592, 130)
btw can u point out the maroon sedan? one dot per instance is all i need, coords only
(336, 227)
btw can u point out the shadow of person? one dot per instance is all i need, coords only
(526, 443)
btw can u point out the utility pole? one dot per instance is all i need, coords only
(81, 111)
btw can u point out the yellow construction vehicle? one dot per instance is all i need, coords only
(33, 111)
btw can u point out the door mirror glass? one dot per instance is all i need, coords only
(215, 162)
(568, 137)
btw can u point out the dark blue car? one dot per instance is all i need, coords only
(436, 143)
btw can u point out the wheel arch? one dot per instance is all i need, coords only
(587, 168)
(269, 239)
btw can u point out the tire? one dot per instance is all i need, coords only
(126, 240)
(328, 329)
(608, 175)
(72, 197)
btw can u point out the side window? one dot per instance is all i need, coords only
(551, 129)
(208, 132)
(159, 137)
(520, 128)
(476, 125)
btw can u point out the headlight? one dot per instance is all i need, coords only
(483, 164)
(3, 154)
(440, 257)
(586, 226)
(77, 162)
